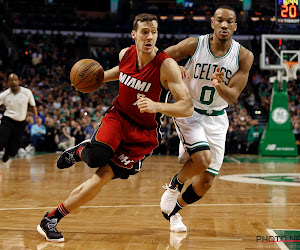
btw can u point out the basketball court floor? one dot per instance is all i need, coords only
(254, 203)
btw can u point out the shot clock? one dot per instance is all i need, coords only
(287, 12)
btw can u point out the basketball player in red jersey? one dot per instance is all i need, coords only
(130, 129)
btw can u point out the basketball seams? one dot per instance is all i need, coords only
(84, 63)
(86, 89)
(86, 77)
(88, 74)
(90, 86)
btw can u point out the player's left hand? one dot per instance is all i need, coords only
(217, 77)
(146, 105)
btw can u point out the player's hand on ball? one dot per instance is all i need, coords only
(217, 77)
(146, 105)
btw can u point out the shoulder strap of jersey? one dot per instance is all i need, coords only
(130, 50)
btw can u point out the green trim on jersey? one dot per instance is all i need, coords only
(195, 143)
(187, 145)
(210, 113)
(231, 46)
(212, 171)
(198, 146)
(238, 58)
(195, 52)
(180, 135)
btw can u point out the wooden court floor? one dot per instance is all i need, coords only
(126, 213)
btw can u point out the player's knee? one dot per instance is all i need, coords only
(97, 156)
(201, 160)
(105, 174)
(206, 185)
(205, 182)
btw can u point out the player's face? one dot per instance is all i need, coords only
(224, 24)
(13, 82)
(145, 36)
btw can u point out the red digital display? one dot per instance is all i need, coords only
(287, 12)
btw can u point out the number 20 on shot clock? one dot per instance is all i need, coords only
(287, 12)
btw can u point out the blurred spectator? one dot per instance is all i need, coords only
(57, 103)
(241, 135)
(77, 132)
(64, 139)
(231, 141)
(253, 138)
(50, 144)
(90, 129)
(296, 130)
(37, 135)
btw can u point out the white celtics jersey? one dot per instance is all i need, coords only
(200, 68)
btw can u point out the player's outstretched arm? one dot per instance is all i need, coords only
(170, 79)
(238, 81)
(113, 74)
(183, 49)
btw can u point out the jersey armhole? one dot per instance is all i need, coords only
(188, 64)
(126, 53)
(238, 57)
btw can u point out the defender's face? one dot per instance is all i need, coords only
(145, 36)
(224, 24)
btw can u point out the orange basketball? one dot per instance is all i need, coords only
(87, 75)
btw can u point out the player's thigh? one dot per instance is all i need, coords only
(201, 158)
(191, 132)
(216, 134)
(105, 141)
(109, 131)
(136, 144)
(193, 140)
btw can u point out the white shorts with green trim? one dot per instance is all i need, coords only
(202, 131)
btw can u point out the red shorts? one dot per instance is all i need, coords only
(130, 142)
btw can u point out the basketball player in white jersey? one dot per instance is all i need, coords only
(15, 99)
(216, 74)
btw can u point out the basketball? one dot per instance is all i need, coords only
(87, 75)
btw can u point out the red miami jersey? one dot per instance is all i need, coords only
(144, 83)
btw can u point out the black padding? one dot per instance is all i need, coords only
(97, 155)
(189, 195)
(195, 150)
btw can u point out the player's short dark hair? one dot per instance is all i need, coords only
(227, 8)
(145, 17)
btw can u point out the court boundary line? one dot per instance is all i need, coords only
(281, 245)
(151, 205)
(234, 159)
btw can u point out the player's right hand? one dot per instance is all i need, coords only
(218, 77)
(146, 105)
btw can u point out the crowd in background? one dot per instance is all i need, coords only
(43, 62)
(71, 15)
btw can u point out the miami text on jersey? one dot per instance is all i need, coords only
(134, 83)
